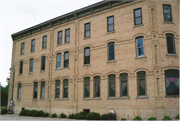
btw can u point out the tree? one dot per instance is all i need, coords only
(4, 93)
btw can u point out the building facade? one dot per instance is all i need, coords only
(112, 55)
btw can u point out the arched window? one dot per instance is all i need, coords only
(87, 55)
(97, 86)
(124, 84)
(43, 62)
(21, 67)
(65, 88)
(111, 53)
(66, 59)
(58, 60)
(112, 85)
(19, 91)
(43, 90)
(141, 83)
(139, 46)
(35, 90)
(57, 93)
(170, 44)
(172, 82)
(86, 87)
(31, 65)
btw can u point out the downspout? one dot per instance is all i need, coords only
(13, 84)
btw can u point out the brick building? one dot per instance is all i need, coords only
(112, 55)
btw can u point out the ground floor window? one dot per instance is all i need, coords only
(172, 82)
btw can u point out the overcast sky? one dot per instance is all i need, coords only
(17, 15)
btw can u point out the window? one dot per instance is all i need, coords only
(59, 38)
(124, 84)
(141, 83)
(110, 23)
(19, 91)
(65, 89)
(137, 16)
(97, 86)
(67, 35)
(57, 95)
(172, 82)
(44, 42)
(170, 44)
(112, 85)
(43, 62)
(139, 46)
(66, 59)
(35, 90)
(21, 67)
(86, 86)
(33, 45)
(22, 48)
(58, 60)
(167, 13)
(87, 55)
(111, 51)
(87, 30)
(42, 90)
(31, 65)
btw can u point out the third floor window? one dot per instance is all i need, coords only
(67, 35)
(87, 30)
(44, 42)
(167, 13)
(22, 48)
(59, 38)
(33, 45)
(137, 16)
(110, 23)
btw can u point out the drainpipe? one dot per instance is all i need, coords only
(13, 82)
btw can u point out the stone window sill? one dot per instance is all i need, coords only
(125, 97)
(30, 72)
(32, 51)
(35, 99)
(168, 22)
(110, 61)
(67, 42)
(59, 44)
(86, 38)
(138, 25)
(140, 57)
(110, 32)
(21, 54)
(114, 98)
(42, 99)
(42, 71)
(87, 65)
(43, 48)
(61, 68)
(171, 55)
(20, 74)
(142, 97)
(18, 99)
(97, 98)
(172, 96)
(57, 99)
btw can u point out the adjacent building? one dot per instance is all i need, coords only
(112, 55)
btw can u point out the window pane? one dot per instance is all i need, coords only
(58, 89)
(35, 89)
(137, 12)
(111, 27)
(31, 70)
(86, 86)
(33, 42)
(167, 17)
(87, 60)
(97, 86)
(87, 34)
(111, 85)
(124, 88)
(59, 57)
(43, 63)
(87, 26)
(67, 38)
(140, 51)
(166, 9)
(111, 47)
(170, 44)
(43, 90)
(141, 86)
(172, 82)
(66, 63)
(19, 90)
(140, 42)
(66, 56)
(59, 34)
(87, 52)
(67, 32)
(65, 88)
(110, 20)
(111, 56)
(138, 21)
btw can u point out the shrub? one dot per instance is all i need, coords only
(177, 117)
(30, 112)
(166, 118)
(45, 115)
(71, 116)
(82, 115)
(76, 116)
(123, 118)
(137, 118)
(54, 115)
(93, 116)
(23, 112)
(62, 115)
(4, 111)
(38, 114)
(152, 118)
(109, 116)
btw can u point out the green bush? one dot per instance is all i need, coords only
(166, 118)
(137, 118)
(45, 115)
(76, 116)
(123, 118)
(38, 114)
(54, 115)
(152, 118)
(109, 116)
(71, 116)
(23, 112)
(4, 111)
(30, 112)
(93, 116)
(177, 117)
(62, 115)
(82, 115)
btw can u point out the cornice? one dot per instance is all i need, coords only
(94, 8)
